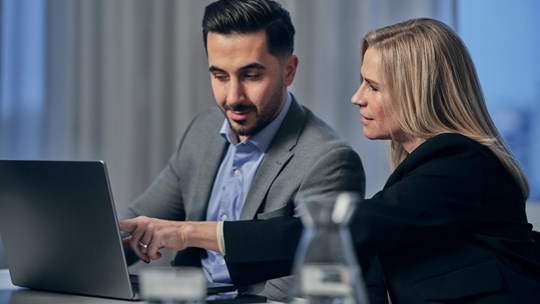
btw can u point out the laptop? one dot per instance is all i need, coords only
(60, 230)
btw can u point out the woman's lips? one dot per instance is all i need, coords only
(365, 119)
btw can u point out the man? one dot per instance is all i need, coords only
(254, 163)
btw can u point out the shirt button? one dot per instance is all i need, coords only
(224, 217)
(237, 172)
(222, 262)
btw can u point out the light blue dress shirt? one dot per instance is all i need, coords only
(233, 181)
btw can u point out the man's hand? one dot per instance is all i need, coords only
(149, 235)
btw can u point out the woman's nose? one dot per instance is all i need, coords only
(357, 98)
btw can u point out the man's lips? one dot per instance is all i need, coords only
(239, 112)
(238, 115)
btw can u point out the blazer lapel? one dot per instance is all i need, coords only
(213, 155)
(277, 156)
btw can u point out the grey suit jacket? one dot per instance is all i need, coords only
(305, 157)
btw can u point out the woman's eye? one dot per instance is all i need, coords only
(372, 86)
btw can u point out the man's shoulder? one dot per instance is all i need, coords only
(317, 129)
(209, 118)
(204, 127)
(211, 113)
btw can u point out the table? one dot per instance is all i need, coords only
(10, 294)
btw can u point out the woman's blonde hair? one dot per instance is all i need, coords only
(427, 67)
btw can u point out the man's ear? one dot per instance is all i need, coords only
(291, 64)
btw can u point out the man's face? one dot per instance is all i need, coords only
(248, 82)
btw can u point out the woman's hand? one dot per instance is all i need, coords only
(149, 235)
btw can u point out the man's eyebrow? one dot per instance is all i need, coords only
(214, 69)
(251, 66)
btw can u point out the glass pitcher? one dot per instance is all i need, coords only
(325, 264)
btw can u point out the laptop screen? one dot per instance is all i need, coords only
(59, 228)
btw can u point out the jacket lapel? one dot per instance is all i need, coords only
(277, 156)
(213, 156)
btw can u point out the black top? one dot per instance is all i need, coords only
(449, 225)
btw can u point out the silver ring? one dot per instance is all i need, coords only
(142, 245)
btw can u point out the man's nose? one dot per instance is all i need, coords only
(235, 92)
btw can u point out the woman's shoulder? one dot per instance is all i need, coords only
(451, 143)
(451, 149)
(447, 139)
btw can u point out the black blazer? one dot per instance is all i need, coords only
(448, 227)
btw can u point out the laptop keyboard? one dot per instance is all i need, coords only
(135, 285)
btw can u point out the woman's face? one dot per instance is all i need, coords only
(374, 100)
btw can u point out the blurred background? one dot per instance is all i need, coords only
(120, 80)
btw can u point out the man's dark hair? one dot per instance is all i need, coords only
(249, 16)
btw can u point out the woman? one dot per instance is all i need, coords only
(450, 224)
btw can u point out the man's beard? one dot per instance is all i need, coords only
(262, 119)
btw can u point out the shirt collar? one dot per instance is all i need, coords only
(263, 138)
